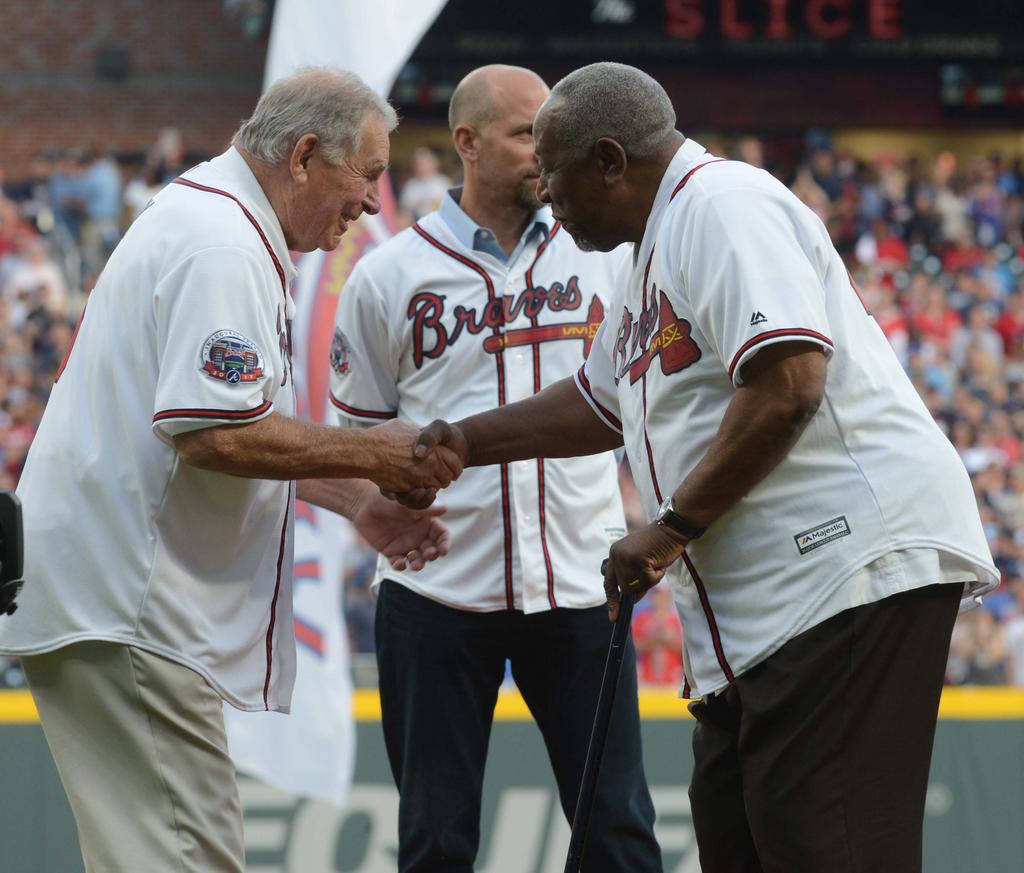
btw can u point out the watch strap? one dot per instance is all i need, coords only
(672, 519)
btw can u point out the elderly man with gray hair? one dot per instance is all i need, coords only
(816, 526)
(159, 492)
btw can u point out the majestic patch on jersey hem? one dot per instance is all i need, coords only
(230, 357)
(341, 353)
(823, 534)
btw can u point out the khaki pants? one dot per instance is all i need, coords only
(139, 743)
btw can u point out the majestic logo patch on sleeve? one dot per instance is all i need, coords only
(341, 353)
(232, 358)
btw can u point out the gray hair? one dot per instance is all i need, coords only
(333, 104)
(615, 101)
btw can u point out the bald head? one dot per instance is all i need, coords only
(488, 92)
(608, 100)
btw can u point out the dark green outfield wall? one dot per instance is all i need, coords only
(975, 820)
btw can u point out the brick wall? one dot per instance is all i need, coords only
(189, 68)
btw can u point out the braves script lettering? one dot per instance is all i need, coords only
(431, 336)
(657, 333)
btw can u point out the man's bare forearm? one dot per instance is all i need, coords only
(341, 496)
(555, 423)
(279, 447)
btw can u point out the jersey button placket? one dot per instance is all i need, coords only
(525, 497)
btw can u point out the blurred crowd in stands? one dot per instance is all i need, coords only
(934, 244)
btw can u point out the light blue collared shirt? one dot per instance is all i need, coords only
(482, 239)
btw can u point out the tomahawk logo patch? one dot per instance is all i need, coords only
(341, 353)
(656, 334)
(823, 534)
(232, 358)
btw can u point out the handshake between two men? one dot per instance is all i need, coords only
(555, 423)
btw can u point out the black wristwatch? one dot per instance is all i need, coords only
(668, 517)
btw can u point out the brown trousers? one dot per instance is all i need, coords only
(816, 760)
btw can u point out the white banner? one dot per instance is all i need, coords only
(372, 39)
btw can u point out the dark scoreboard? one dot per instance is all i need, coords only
(468, 30)
(766, 65)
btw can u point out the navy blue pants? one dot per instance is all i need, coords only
(440, 670)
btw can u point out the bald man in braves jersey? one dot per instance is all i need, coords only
(817, 528)
(485, 302)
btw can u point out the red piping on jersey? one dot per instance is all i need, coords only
(585, 383)
(534, 321)
(506, 516)
(232, 414)
(643, 388)
(856, 290)
(188, 183)
(705, 603)
(364, 413)
(772, 334)
(647, 443)
(71, 344)
(716, 638)
(557, 226)
(273, 602)
(686, 178)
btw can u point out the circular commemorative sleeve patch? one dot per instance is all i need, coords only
(341, 353)
(230, 357)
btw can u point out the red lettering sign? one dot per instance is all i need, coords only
(684, 19)
(778, 19)
(829, 19)
(884, 19)
(732, 27)
(778, 25)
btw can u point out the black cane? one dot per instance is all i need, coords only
(598, 735)
(11, 551)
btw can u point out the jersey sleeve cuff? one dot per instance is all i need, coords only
(752, 346)
(174, 421)
(359, 414)
(605, 414)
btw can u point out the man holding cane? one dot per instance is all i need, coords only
(818, 529)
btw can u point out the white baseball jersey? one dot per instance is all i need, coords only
(428, 328)
(872, 500)
(187, 328)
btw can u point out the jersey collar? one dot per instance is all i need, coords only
(476, 238)
(232, 173)
(687, 156)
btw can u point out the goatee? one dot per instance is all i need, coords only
(526, 198)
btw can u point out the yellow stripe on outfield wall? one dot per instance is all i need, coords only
(17, 707)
